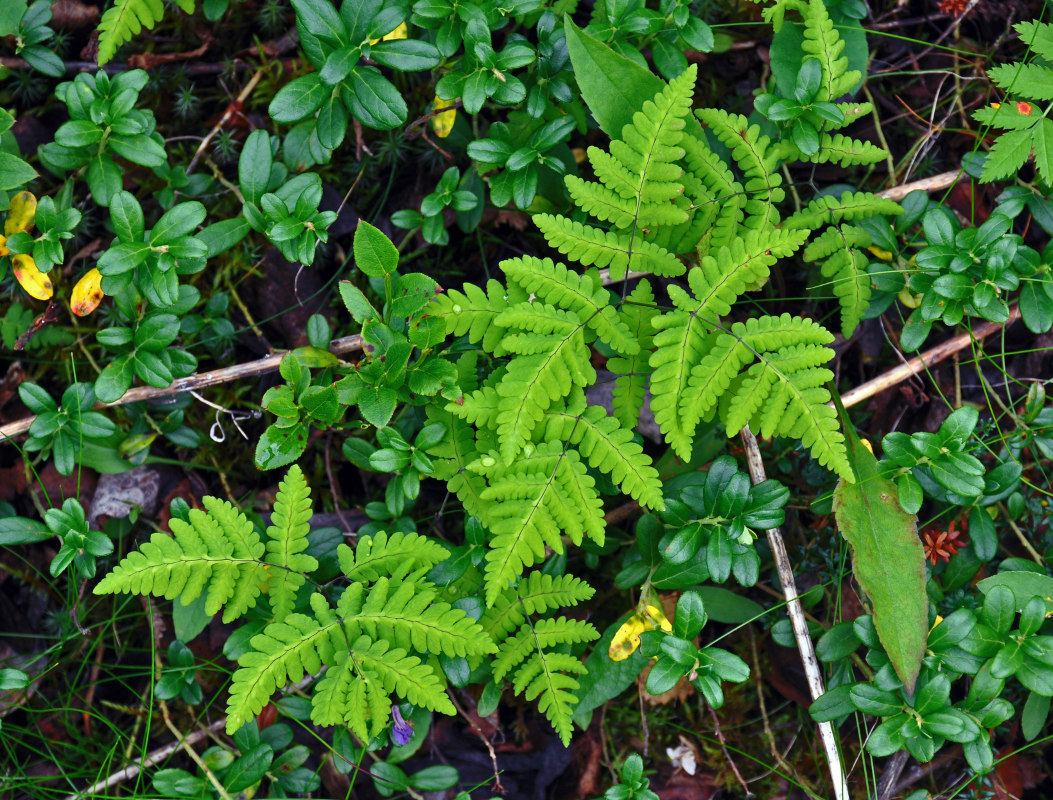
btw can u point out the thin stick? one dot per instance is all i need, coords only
(231, 110)
(202, 380)
(157, 756)
(800, 625)
(482, 737)
(921, 363)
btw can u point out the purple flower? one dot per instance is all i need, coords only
(401, 731)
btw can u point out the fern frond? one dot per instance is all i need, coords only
(849, 207)
(758, 160)
(403, 674)
(614, 249)
(553, 283)
(822, 40)
(126, 18)
(630, 387)
(285, 651)
(286, 541)
(846, 151)
(608, 205)
(729, 197)
(557, 360)
(406, 615)
(846, 265)
(544, 677)
(783, 394)
(352, 696)
(537, 593)
(474, 312)
(479, 407)
(542, 634)
(217, 553)
(452, 457)
(529, 504)
(610, 449)
(390, 554)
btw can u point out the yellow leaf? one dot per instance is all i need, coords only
(401, 32)
(23, 212)
(35, 282)
(3, 245)
(442, 123)
(884, 255)
(627, 638)
(87, 294)
(657, 619)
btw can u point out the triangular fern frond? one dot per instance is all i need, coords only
(846, 151)
(783, 394)
(286, 541)
(554, 359)
(538, 673)
(406, 615)
(474, 312)
(285, 651)
(353, 696)
(758, 160)
(846, 266)
(537, 593)
(403, 674)
(217, 553)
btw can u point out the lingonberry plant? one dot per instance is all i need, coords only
(516, 287)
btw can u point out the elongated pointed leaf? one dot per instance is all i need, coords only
(888, 559)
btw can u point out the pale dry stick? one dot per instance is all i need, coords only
(156, 757)
(797, 619)
(202, 380)
(161, 753)
(920, 363)
(231, 110)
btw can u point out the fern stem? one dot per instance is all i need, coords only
(795, 611)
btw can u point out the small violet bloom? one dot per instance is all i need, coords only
(401, 731)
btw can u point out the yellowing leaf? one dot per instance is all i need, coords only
(442, 123)
(35, 282)
(401, 32)
(87, 294)
(23, 212)
(3, 245)
(657, 619)
(627, 639)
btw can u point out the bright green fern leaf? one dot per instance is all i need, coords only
(217, 553)
(286, 541)
(126, 18)
(630, 387)
(389, 555)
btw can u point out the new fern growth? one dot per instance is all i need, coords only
(374, 636)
